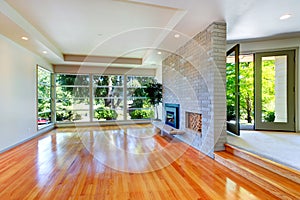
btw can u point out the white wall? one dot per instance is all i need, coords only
(17, 93)
(279, 44)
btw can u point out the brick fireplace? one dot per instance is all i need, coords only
(195, 76)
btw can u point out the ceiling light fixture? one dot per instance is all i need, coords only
(159, 53)
(45, 52)
(285, 16)
(176, 35)
(24, 38)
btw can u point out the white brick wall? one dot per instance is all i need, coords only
(194, 76)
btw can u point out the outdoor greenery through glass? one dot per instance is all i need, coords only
(138, 104)
(44, 96)
(108, 97)
(72, 97)
(246, 81)
(274, 93)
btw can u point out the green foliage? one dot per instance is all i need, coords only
(136, 88)
(65, 115)
(154, 93)
(72, 91)
(142, 114)
(269, 116)
(108, 86)
(246, 83)
(268, 88)
(230, 91)
(44, 94)
(76, 116)
(105, 113)
(230, 112)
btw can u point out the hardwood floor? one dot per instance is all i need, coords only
(125, 162)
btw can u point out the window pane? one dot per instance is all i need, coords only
(44, 91)
(72, 98)
(274, 89)
(105, 113)
(107, 80)
(44, 77)
(67, 79)
(108, 91)
(72, 91)
(114, 103)
(44, 97)
(133, 81)
(108, 97)
(137, 103)
(72, 116)
(44, 105)
(140, 113)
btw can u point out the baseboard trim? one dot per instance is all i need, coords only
(38, 133)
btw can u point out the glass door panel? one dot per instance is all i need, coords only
(232, 90)
(274, 84)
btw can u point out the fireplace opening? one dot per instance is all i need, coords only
(172, 115)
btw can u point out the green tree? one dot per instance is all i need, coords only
(230, 91)
(246, 83)
(154, 94)
(112, 90)
(246, 90)
(268, 90)
(44, 93)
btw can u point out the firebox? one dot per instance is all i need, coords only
(172, 115)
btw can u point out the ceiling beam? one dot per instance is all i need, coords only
(102, 59)
(103, 70)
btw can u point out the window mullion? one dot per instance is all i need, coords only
(91, 99)
(125, 97)
(53, 98)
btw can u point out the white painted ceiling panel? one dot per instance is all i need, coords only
(137, 28)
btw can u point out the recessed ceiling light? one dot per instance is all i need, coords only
(45, 52)
(159, 53)
(285, 16)
(176, 35)
(24, 38)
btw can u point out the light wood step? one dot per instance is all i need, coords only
(277, 185)
(277, 168)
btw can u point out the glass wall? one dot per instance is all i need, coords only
(44, 97)
(88, 98)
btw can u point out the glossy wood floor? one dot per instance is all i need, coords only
(126, 162)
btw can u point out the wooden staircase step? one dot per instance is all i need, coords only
(273, 183)
(277, 168)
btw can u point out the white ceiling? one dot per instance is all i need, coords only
(137, 28)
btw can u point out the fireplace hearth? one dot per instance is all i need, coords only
(172, 114)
